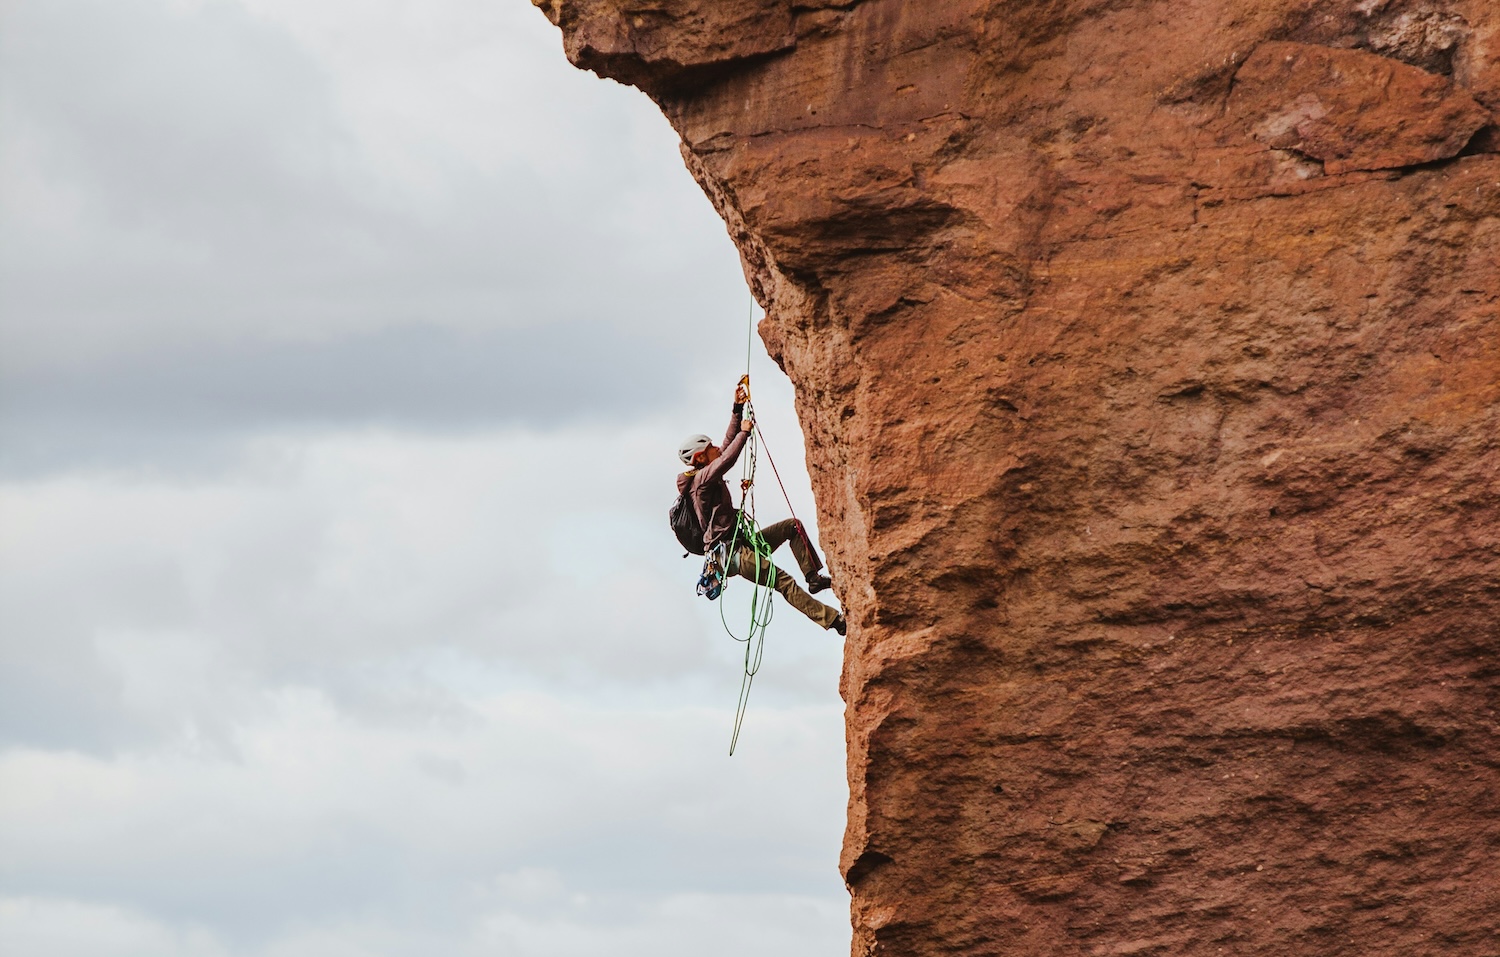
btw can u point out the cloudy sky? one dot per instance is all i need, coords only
(344, 347)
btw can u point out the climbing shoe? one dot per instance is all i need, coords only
(817, 583)
(840, 626)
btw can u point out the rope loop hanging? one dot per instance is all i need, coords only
(747, 541)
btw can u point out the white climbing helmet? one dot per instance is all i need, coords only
(691, 446)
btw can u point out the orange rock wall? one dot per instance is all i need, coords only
(1149, 354)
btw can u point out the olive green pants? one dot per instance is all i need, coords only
(746, 564)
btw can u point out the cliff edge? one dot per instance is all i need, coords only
(1149, 354)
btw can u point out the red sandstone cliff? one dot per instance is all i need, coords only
(1152, 354)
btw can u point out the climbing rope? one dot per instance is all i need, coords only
(747, 535)
(801, 529)
(749, 351)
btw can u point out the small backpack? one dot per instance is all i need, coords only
(685, 524)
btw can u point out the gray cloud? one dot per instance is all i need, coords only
(202, 243)
(417, 377)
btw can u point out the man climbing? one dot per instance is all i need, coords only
(705, 488)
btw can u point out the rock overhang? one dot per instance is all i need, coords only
(1149, 353)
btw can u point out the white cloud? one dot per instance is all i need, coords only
(689, 925)
(546, 816)
(365, 671)
(31, 927)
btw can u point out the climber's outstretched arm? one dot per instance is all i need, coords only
(736, 419)
(732, 449)
(734, 438)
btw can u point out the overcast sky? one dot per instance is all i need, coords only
(344, 349)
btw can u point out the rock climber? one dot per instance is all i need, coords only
(705, 487)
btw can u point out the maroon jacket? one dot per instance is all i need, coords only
(708, 490)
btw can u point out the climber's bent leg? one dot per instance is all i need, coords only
(820, 613)
(745, 565)
(786, 531)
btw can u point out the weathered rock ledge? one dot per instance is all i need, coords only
(1151, 357)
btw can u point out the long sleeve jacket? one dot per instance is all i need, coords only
(708, 490)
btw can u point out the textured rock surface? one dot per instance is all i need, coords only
(1151, 354)
(1352, 110)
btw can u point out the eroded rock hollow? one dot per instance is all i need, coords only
(1149, 355)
